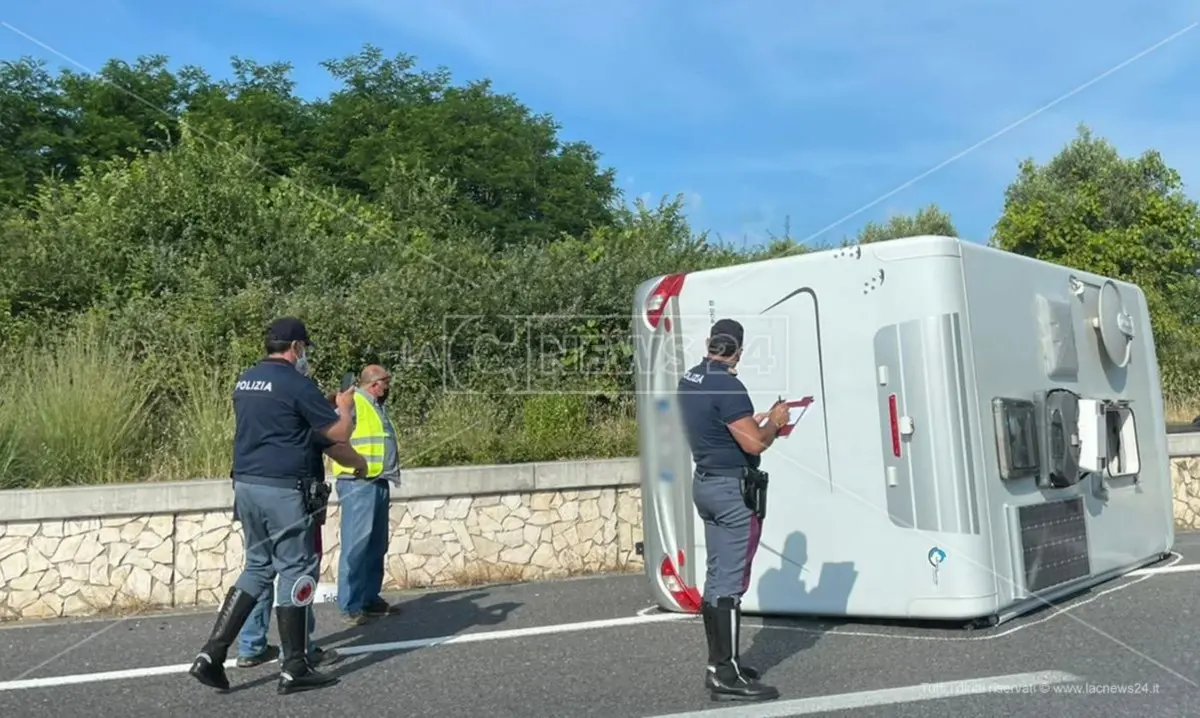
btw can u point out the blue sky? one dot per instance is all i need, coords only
(759, 112)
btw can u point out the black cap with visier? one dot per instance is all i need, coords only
(288, 329)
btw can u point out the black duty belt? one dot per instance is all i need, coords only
(735, 474)
(314, 493)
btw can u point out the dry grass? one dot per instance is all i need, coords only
(84, 411)
(126, 606)
(622, 566)
(123, 606)
(486, 573)
(1181, 412)
(79, 412)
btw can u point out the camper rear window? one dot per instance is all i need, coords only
(1016, 438)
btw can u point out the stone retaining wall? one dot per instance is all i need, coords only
(1185, 479)
(545, 520)
(99, 549)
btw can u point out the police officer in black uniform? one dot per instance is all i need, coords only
(278, 412)
(726, 441)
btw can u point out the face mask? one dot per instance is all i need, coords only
(302, 364)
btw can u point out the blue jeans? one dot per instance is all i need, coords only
(253, 638)
(364, 520)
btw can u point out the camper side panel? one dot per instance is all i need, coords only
(1033, 335)
(841, 534)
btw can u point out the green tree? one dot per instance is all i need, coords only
(121, 111)
(927, 220)
(33, 123)
(511, 177)
(56, 126)
(1129, 218)
(258, 103)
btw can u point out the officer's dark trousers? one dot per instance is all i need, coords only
(731, 533)
(278, 533)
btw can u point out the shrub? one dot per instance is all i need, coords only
(166, 266)
(553, 426)
(460, 429)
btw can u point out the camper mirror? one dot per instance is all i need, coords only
(1017, 446)
(1120, 426)
(1108, 438)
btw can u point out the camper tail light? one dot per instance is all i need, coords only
(686, 596)
(667, 289)
(894, 418)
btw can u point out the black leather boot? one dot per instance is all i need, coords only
(709, 613)
(296, 672)
(752, 673)
(209, 666)
(727, 679)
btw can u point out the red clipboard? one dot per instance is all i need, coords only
(796, 411)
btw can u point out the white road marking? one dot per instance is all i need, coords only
(1165, 569)
(1143, 575)
(885, 697)
(56, 681)
(642, 616)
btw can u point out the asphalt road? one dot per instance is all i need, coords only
(1126, 648)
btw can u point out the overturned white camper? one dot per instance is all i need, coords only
(979, 432)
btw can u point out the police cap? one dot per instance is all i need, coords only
(726, 337)
(288, 329)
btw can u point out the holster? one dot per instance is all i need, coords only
(754, 491)
(316, 499)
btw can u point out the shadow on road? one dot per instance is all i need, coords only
(786, 587)
(820, 604)
(430, 615)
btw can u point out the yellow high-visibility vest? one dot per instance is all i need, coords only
(368, 438)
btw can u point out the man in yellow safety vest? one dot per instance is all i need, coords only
(365, 500)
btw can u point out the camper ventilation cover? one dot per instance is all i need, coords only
(1114, 324)
(1054, 543)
